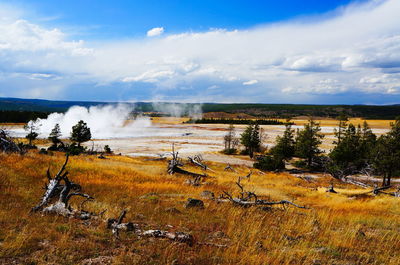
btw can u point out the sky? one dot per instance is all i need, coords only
(288, 51)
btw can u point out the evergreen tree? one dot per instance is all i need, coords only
(256, 138)
(55, 134)
(250, 139)
(284, 147)
(387, 150)
(32, 129)
(245, 138)
(341, 128)
(80, 133)
(368, 142)
(347, 152)
(308, 140)
(230, 140)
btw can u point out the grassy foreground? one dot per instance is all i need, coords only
(337, 229)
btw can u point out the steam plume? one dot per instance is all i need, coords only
(193, 111)
(109, 121)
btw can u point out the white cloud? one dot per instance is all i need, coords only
(155, 32)
(250, 82)
(355, 50)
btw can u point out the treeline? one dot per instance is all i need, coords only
(21, 116)
(292, 110)
(356, 150)
(236, 121)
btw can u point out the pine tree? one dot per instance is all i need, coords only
(308, 140)
(251, 139)
(256, 138)
(230, 140)
(347, 152)
(284, 148)
(245, 138)
(32, 129)
(341, 128)
(55, 134)
(80, 133)
(387, 153)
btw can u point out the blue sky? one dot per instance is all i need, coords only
(289, 51)
(104, 19)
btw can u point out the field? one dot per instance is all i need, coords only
(337, 229)
(350, 227)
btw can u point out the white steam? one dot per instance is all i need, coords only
(193, 111)
(109, 121)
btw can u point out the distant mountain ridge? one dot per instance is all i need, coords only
(254, 109)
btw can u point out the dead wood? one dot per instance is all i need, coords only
(331, 189)
(116, 225)
(197, 160)
(64, 192)
(7, 144)
(230, 168)
(175, 166)
(248, 199)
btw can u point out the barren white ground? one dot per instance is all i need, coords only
(188, 139)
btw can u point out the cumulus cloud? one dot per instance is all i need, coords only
(250, 82)
(353, 50)
(155, 32)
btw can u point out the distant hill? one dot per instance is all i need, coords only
(255, 110)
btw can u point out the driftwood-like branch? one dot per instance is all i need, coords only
(7, 144)
(257, 202)
(175, 166)
(230, 168)
(116, 225)
(248, 199)
(64, 193)
(197, 160)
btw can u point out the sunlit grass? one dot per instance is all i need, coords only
(338, 228)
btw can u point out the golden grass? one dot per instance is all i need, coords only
(338, 228)
(374, 124)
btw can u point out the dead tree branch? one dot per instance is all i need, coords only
(7, 144)
(175, 166)
(116, 225)
(64, 192)
(248, 199)
(230, 168)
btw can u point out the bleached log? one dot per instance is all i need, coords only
(53, 188)
(175, 164)
(64, 193)
(116, 225)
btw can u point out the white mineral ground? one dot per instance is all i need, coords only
(189, 139)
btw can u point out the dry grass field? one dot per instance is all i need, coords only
(343, 228)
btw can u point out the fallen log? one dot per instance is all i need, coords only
(175, 164)
(116, 225)
(257, 202)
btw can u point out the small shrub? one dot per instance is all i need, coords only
(269, 163)
(75, 149)
(300, 164)
(107, 149)
(230, 151)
